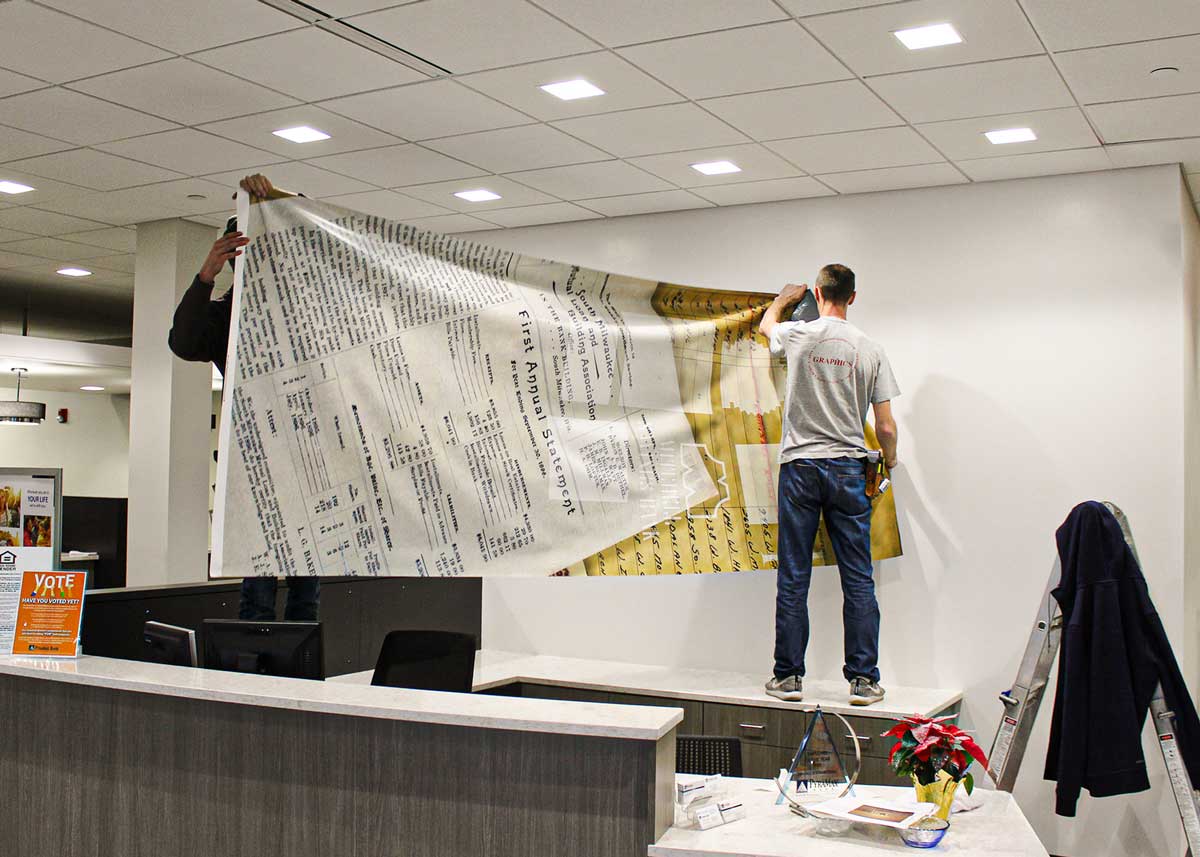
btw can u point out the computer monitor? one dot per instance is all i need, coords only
(169, 644)
(286, 649)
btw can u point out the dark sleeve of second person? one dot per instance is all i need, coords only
(200, 331)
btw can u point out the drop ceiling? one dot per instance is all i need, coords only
(116, 116)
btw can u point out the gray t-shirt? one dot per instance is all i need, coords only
(835, 372)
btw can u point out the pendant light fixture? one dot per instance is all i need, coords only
(22, 413)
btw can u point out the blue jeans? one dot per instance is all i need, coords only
(258, 599)
(837, 487)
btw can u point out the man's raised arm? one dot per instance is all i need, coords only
(788, 298)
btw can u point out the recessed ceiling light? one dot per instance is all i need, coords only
(301, 134)
(74, 272)
(569, 90)
(717, 168)
(1010, 135)
(14, 187)
(92, 389)
(477, 195)
(933, 36)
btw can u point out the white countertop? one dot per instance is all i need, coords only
(996, 829)
(647, 723)
(494, 668)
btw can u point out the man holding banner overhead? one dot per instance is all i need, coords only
(834, 372)
(201, 333)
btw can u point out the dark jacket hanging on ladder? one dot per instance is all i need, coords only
(1114, 653)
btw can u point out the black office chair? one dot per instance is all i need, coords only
(426, 660)
(707, 755)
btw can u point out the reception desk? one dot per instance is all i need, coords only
(106, 756)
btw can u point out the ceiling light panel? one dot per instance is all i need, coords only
(301, 134)
(571, 90)
(932, 36)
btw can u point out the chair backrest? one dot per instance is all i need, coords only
(705, 754)
(426, 660)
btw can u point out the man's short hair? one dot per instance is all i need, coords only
(836, 283)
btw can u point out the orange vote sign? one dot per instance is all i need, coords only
(49, 614)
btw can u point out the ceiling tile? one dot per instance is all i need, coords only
(768, 56)
(523, 148)
(822, 108)
(396, 166)
(1122, 72)
(857, 150)
(12, 83)
(11, 259)
(451, 224)
(120, 239)
(177, 25)
(1037, 164)
(625, 22)
(894, 178)
(299, 177)
(56, 47)
(535, 215)
(981, 89)
(39, 222)
(511, 193)
(15, 143)
(91, 169)
(182, 90)
(76, 117)
(581, 181)
(346, 135)
(645, 203)
(342, 8)
(44, 189)
(1151, 119)
(285, 62)
(99, 277)
(420, 111)
(625, 86)
(191, 152)
(991, 29)
(1066, 24)
(54, 248)
(1055, 129)
(1185, 152)
(800, 8)
(466, 35)
(756, 162)
(123, 263)
(650, 130)
(150, 202)
(768, 191)
(387, 204)
(13, 235)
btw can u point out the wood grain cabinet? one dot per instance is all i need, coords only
(769, 735)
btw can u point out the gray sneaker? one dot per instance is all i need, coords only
(790, 689)
(863, 691)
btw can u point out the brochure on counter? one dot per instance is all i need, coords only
(896, 813)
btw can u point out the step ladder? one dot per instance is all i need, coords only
(1022, 701)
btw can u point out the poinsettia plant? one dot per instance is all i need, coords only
(928, 745)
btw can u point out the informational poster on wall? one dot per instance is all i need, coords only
(401, 402)
(29, 518)
(41, 612)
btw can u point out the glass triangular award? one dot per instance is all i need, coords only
(817, 769)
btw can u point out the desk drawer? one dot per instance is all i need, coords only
(693, 712)
(870, 735)
(755, 724)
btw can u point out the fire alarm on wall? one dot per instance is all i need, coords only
(62, 415)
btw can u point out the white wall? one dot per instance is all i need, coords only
(92, 447)
(1037, 329)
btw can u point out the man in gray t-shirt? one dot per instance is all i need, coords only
(834, 372)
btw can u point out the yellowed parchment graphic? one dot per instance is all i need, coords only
(732, 392)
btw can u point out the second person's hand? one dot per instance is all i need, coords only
(257, 185)
(226, 248)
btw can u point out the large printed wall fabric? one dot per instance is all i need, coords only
(401, 402)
